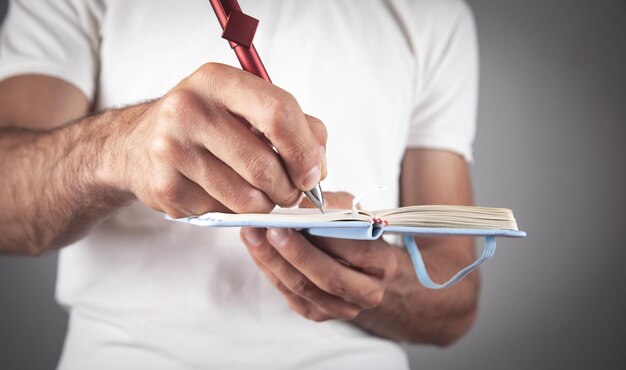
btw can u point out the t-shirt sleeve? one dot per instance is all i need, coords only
(444, 109)
(58, 38)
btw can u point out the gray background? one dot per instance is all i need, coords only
(551, 145)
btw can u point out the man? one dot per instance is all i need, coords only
(111, 115)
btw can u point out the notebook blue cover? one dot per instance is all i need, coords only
(361, 230)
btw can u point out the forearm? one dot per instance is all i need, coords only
(410, 312)
(54, 185)
(206, 145)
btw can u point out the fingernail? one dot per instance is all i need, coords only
(278, 236)
(254, 236)
(312, 178)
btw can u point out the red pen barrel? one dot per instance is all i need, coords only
(248, 56)
(222, 8)
(239, 29)
(251, 62)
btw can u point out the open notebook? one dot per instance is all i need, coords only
(430, 220)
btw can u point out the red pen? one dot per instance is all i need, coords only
(239, 29)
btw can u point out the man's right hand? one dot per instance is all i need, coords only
(207, 146)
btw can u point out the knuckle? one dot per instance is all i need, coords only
(335, 283)
(175, 213)
(167, 190)
(319, 128)
(281, 109)
(295, 306)
(175, 103)
(307, 312)
(363, 256)
(348, 314)
(163, 147)
(302, 287)
(304, 154)
(391, 270)
(315, 121)
(209, 68)
(300, 256)
(323, 131)
(373, 299)
(213, 70)
(215, 77)
(241, 201)
(268, 257)
(282, 288)
(317, 316)
(249, 201)
(262, 169)
(290, 199)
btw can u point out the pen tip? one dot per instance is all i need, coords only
(316, 196)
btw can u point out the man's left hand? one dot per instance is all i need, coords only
(324, 278)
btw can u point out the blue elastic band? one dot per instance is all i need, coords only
(420, 268)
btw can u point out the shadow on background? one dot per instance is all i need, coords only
(32, 325)
(551, 145)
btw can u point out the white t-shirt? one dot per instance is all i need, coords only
(145, 293)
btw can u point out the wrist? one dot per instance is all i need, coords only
(110, 164)
(118, 157)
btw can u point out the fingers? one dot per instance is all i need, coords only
(215, 132)
(249, 157)
(324, 271)
(375, 258)
(303, 296)
(173, 152)
(272, 111)
(222, 183)
(221, 155)
(179, 197)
